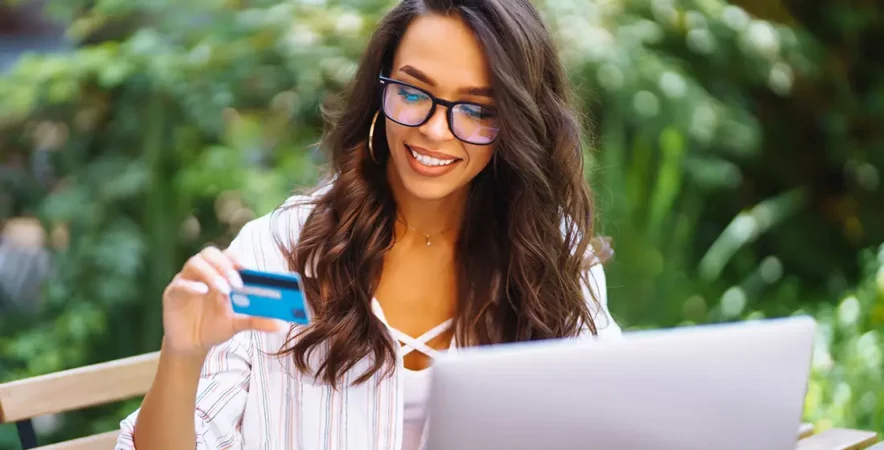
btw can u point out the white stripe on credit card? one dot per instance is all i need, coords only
(260, 292)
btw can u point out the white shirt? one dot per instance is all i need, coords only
(248, 399)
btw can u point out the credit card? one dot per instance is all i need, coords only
(271, 295)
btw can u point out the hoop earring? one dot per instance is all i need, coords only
(371, 138)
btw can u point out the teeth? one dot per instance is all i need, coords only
(430, 161)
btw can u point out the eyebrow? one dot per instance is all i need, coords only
(420, 75)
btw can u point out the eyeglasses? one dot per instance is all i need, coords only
(412, 107)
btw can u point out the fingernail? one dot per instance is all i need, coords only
(234, 278)
(200, 288)
(222, 285)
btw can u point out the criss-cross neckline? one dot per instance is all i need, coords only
(409, 343)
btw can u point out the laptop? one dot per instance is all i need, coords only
(725, 387)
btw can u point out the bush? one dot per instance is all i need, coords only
(848, 369)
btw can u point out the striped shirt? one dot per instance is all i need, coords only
(249, 399)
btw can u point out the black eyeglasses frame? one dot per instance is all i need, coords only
(450, 105)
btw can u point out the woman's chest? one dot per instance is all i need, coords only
(416, 294)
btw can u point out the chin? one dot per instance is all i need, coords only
(429, 189)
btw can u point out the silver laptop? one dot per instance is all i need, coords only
(736, 386)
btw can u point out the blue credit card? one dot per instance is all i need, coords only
(272, 295)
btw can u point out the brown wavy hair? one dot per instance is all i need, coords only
(522, 252)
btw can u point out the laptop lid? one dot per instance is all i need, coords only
(733, 386)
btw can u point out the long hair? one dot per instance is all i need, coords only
(524, 245)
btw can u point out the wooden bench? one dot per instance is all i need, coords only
(127, 378)
(75, 389)
(836, 439)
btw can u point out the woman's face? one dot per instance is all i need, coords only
(442, 57)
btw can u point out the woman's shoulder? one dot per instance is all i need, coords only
(262, 242)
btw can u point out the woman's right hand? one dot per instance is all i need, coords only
(197, 314)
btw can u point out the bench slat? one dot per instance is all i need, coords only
(78, 388)
(838, 439)
(98, 441)
(805, 430)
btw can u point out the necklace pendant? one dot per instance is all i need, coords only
(428, 240)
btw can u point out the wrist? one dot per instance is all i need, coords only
(192, 358)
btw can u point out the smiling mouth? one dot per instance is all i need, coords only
(430, 161)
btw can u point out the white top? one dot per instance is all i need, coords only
(250, 400)
(417, 397)
(416, 382)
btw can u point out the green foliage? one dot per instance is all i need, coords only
(734, 165)
(848, 360)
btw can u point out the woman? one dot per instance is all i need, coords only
(458, 215)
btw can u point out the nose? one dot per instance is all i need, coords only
(437, 127)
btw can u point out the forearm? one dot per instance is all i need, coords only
(166, 419)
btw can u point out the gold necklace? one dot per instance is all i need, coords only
(425, 235)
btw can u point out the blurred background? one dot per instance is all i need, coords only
(737, 158)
